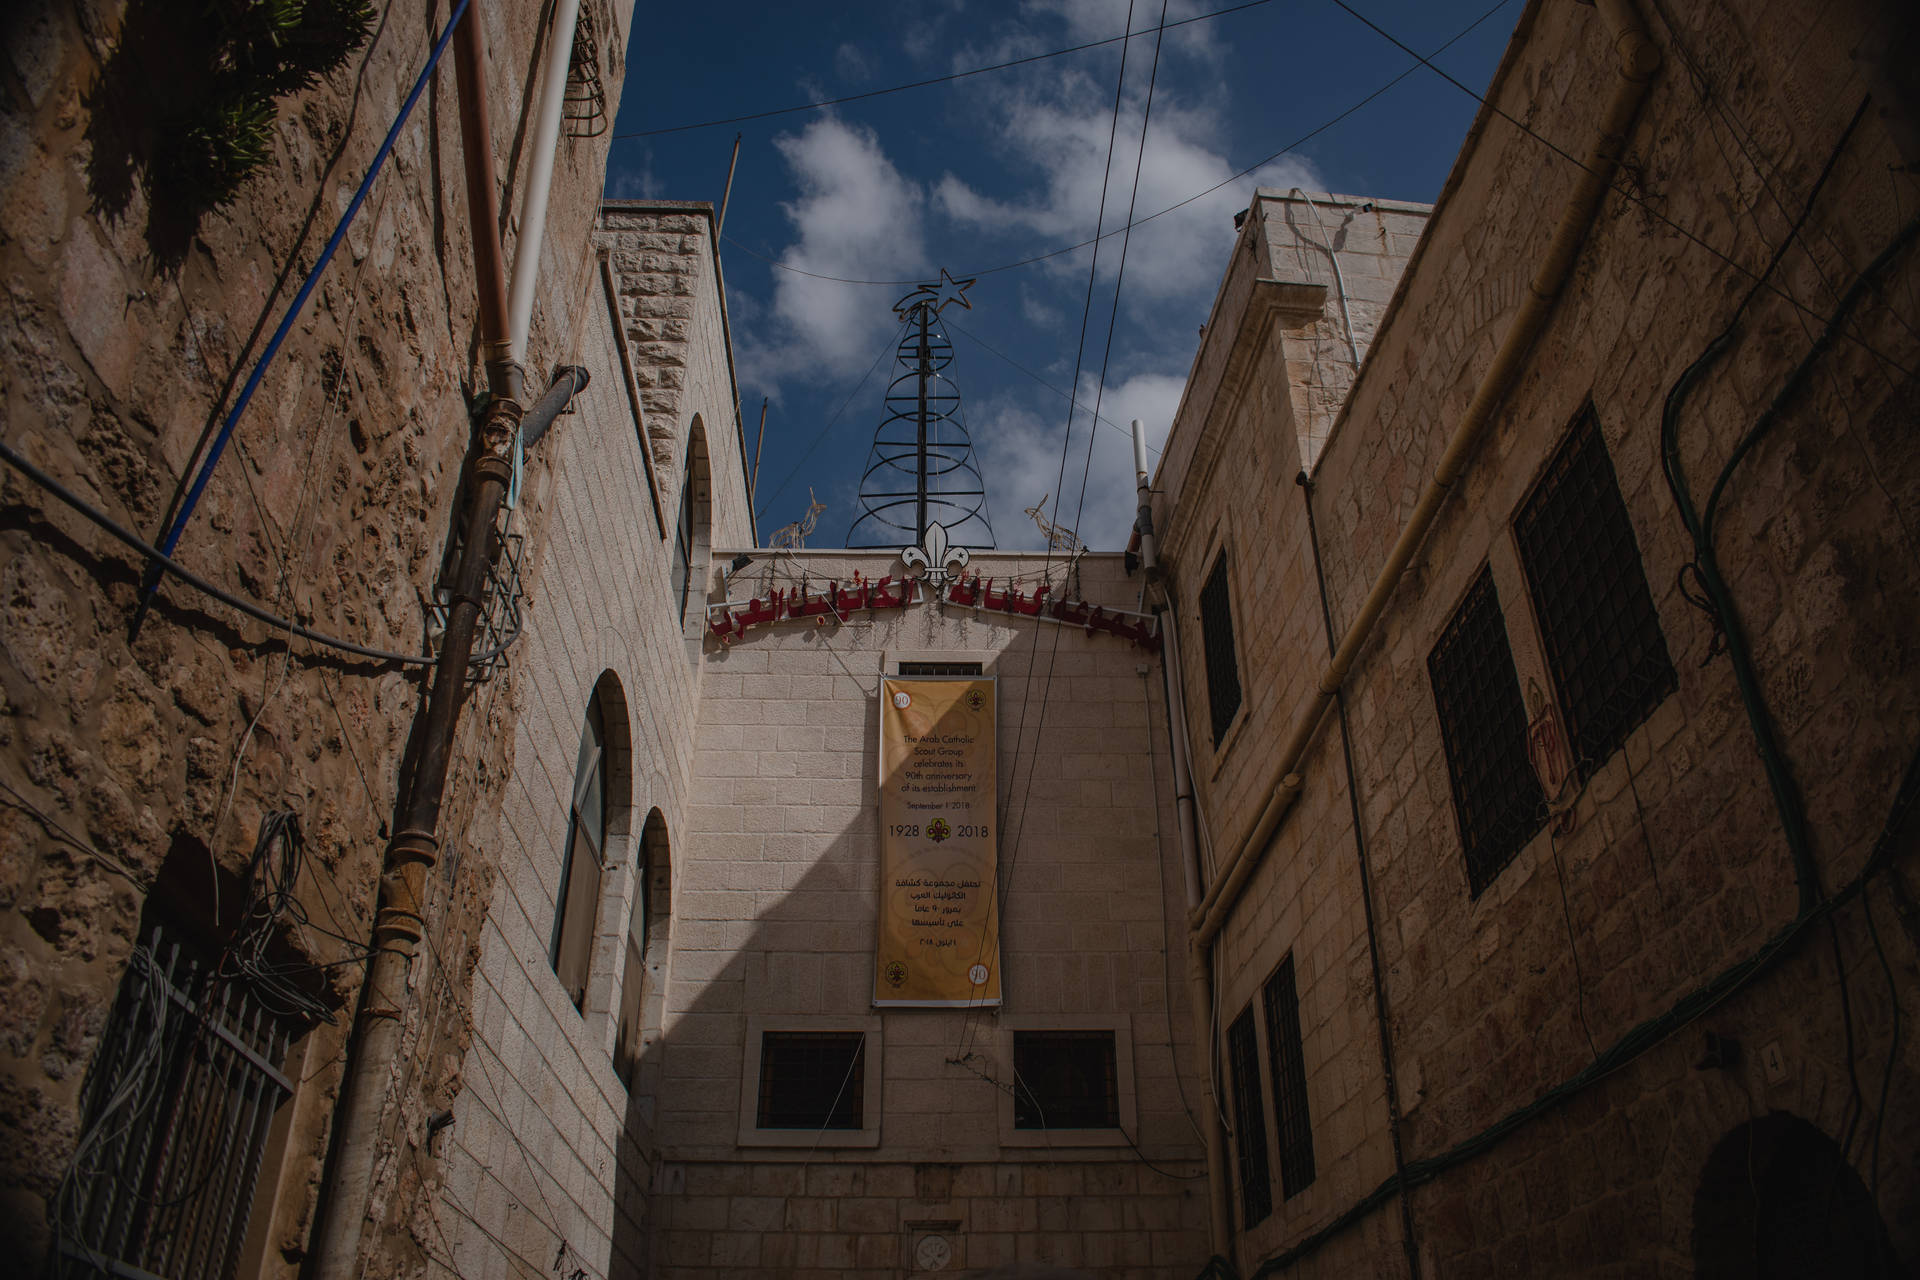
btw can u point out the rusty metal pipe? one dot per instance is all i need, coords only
(400, 922)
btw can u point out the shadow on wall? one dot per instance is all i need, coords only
(781, 931)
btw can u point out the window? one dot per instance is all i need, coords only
(1065, 1080)
(1483, 724)
(812, 1080)
(1597, 621)
(1216, 629)
(578, 900)
(1287, 1059)
(186, 1107)
(682, 573)
(1249, 1120)
(941, 669)
(640, 988)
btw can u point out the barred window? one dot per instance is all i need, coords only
(1216, 630)
(179, 1110)
(1483, 724)
(941, 669)
(812, 1080)
(1602, 636)
(1287, 1057)
(1065, 1080)
(1249, 1121)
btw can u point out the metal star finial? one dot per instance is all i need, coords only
(939, 294)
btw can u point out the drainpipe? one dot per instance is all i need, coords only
(533, 204)
(400, 920)
(1638, 60)
(1199, 966)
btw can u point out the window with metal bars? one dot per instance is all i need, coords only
(1216, 631)
(1602, 636)
(1249, 1120)
(812, 1080)
(178, 1114)
(940, 669)
(1483, 725)
(1065, 1080)
(1287, 1058)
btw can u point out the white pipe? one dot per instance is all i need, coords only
(1140, 473)
(533, 205)
(1339, 280)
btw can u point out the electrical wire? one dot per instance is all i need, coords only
(1064, 395)
(823, 103)
(893, 340)
(251, 609)
(1005, 874)
(1228, 181)
(1623, 193)
(219, 444)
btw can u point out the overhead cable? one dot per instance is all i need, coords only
(823, 103)
(1251, 169)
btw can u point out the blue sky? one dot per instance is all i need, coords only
(987, 170)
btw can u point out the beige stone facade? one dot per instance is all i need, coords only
(1558, 1107)
(1600, 1034)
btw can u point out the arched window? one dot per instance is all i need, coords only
(691, 525)
(598, 792)
(646, 951)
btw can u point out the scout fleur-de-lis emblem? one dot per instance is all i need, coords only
(938, 561)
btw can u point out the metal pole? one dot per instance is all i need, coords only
(753, 481)
(720, 220)
(920, 456)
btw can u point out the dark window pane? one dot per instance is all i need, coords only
(1216, 630)
(578, 899)
(812, 1079)
(682, 574)
(1483, 723)
(1249, 1121)
(1603, 639)
(940, 669)
(1289, 1064)
(1065, 1080)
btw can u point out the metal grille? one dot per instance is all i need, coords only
(1496, 796)
(178, 1106)
(812, 1079)
(1602, 636)
(584, 108)
(1289, 1063)
(1249, 1121)
(502, 599)
(1065, 1080)
(941, 669)
(1216, 629)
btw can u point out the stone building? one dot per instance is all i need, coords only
(1554, 707)
(150, 749)
(1506, 952)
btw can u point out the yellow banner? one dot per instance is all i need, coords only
(939, 917)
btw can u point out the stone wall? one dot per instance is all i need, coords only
(775, 917)
(333, 504)
(1674, 867)
(549, 1153)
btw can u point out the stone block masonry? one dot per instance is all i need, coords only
(776, 923)
(134, 765)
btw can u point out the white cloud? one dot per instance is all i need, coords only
(1019, 452)
(635, 181)
(854, 216)
(1060, 132)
